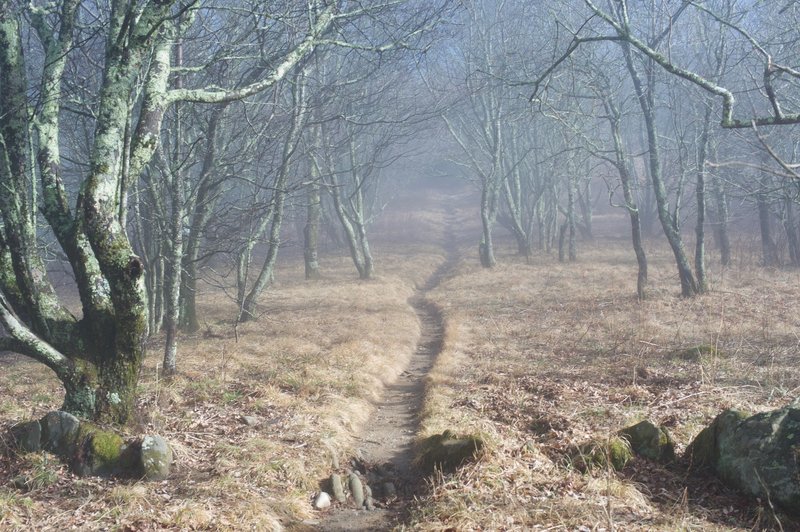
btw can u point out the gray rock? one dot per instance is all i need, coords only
(27, 436)
(389, 490)
(156, 458)
(337, 488)
(334, 455)
(756, 454)
(250, 421)
(20, 482)
(59, 430)
(356, 490)
(322, 501)
(650, 441)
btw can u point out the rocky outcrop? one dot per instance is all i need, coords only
(26, 437)
(59, 431)
(756, 454)
(155, 458)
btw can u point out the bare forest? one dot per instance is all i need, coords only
(433, 265)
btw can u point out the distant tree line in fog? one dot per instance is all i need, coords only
(146, 145)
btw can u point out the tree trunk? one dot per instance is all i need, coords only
(572, 243)
(486, 246)
(613, 114)
(562, 237)
(700, 191)
(769, 251)
(646, 98)
(790, 226)
(586, 205)
(311, 230)
(721, 220)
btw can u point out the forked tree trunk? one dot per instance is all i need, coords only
(646, 99)
(248, 305)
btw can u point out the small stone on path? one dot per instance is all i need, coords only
(337, 488)
(322, 501)
(356, 489)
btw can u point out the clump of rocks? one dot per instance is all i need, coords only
(91, 450)
(759, 455)
(357, 489)
(644, 439)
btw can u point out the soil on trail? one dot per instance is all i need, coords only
(386, 445)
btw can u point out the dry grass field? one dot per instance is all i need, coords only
(538, 357)
(542, 357)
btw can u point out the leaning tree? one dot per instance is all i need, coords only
(122, 52)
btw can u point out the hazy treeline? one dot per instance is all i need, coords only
(142, 142)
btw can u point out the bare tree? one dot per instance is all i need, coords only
(97, 356)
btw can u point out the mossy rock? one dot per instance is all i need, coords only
(758, 455)
(59, 431)
(27, 437)
(698, 352)
(155, 458)
(650, 441)
(614, 453)
(97, 451)
(703, 452)
(447, 451)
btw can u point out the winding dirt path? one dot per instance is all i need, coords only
(387, 443)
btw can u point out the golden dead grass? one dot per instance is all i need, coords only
(537, 357)
(309, 371)
(544, 356)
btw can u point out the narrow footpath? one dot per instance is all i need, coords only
(386, 445)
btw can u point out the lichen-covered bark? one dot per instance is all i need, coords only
(119, 359)
(36, 300)
(98, 358)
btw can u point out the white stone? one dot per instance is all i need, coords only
(322, 501)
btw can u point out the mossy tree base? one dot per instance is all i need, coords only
(90, 449)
